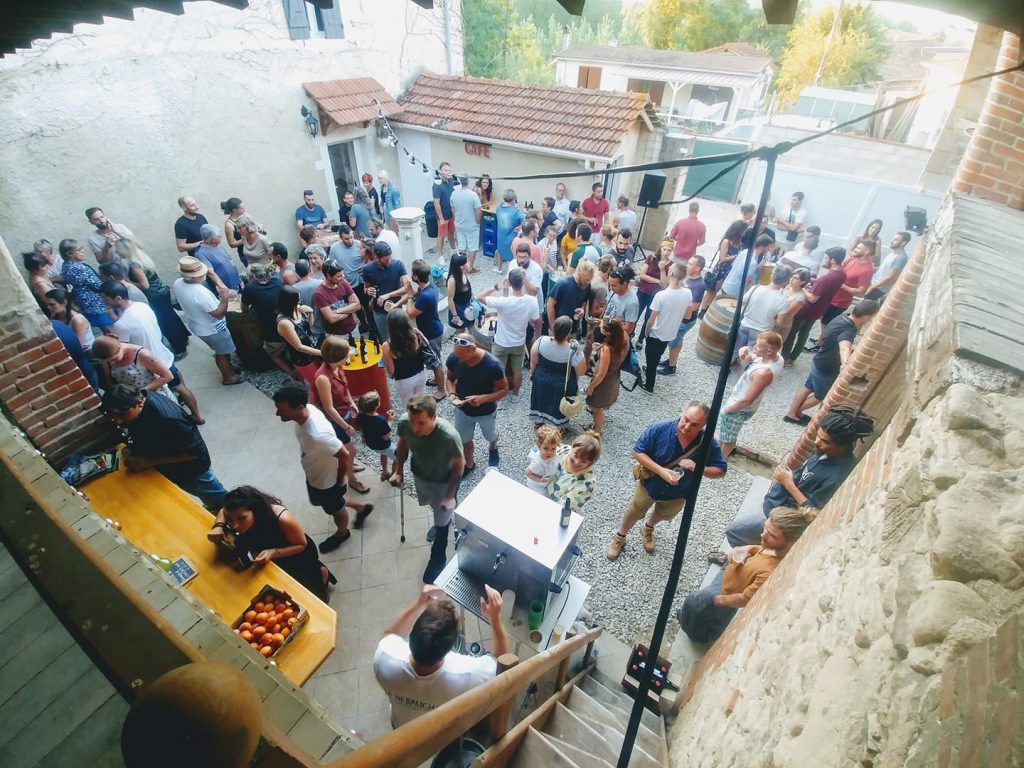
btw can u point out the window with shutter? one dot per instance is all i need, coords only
(332, 22)
(589, 77)
(295, 15)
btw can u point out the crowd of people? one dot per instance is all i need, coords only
(575, 300)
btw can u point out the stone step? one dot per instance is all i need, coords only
(620, 702)
(534, 750)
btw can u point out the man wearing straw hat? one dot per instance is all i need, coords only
(204, 314)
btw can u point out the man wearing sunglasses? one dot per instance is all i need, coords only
(476, 382)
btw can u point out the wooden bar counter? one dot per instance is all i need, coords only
(160, 518)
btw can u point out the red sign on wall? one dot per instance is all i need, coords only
(476, 149)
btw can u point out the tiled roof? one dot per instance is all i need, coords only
(651, 57)
(737, 49)
(351, 101)
(572, 119)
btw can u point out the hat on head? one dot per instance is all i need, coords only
(190, 266)
(261, 272)
(381, 249)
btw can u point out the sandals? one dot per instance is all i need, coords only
(803, 421)
(359, 487)
(718, 558)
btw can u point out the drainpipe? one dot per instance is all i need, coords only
(448, 36)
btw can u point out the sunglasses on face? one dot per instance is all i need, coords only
(461, 342)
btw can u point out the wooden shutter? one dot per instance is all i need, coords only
(332, 21)
(589, 77)
(295, 15)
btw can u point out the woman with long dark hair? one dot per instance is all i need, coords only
(264, 527)
(872, 239)
(728, 250)
(234, 210)
(293, 325)
(485, 189)
(603, 390)
(460, 292)
(58, 306)
(403, 354)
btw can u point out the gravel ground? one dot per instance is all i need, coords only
(626, 594)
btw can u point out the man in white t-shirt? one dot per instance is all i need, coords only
(669, 309)
(764, 307)
(791, 221)
(324, 461)
(135, 323)
(421, 673)
(533, 277)
(386, 235)
(516, 313)
(204, 314)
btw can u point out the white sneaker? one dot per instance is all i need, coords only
(514, 398)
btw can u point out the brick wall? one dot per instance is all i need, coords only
(41, 388)
(993, 166)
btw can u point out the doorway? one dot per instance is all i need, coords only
(344, 169)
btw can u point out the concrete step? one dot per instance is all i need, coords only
(534, 750)
(583, 759)
(620, 702)
(569, 727)
(614, 738)
(586, 706)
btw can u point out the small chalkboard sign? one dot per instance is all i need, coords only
(182, 571)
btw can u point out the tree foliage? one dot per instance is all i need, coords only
(693, 25)
(854, 56)
(515, 41)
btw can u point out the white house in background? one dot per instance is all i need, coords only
(718, 85)
(131, 114)
(507, 129)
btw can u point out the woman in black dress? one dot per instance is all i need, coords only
(265, 528)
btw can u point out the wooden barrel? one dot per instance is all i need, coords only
(245, 330)
(714, 330)
(766, 272)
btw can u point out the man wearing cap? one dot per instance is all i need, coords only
(385, 279)
(310, 213)
(335, 300)
(204, 314)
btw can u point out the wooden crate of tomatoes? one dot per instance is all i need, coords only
(270, 622)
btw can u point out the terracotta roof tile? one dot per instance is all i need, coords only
(573, 119)
(351, 101)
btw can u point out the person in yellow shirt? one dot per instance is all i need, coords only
(706, 613)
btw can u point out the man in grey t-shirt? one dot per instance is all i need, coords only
(467, 211)
(622, 301)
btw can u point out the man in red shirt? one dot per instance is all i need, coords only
(595, 207)
(819, 296)
(689, 234)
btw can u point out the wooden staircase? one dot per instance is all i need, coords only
(580, 726)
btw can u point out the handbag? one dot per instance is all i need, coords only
(428, 356)
(570, 406)
(641, 473)
(307, 338)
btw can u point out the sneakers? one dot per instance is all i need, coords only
(334, 541)
(667, 370)
(513, 398)
(432, 533)
(492, 457)
(647, 535)
(615, 548)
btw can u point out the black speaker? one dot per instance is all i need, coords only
(651, 190)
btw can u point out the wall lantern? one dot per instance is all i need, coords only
(312, 125)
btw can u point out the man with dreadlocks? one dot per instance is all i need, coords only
(814, 483)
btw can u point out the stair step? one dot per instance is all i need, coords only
(621, 703)
(535, 750)
(583, 759)
(569, 727)
(586, 706)
(640, 758)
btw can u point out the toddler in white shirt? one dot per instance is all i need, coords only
(543, 461)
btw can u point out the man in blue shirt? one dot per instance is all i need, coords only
(569, 295)
(509, 219)
(814, 483)
(311, 213)
(664, 452)
(385, 280)
(422, 306)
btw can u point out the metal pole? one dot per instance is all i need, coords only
(701, 460)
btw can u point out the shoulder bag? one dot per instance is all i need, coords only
(570, 406)
(641, 473)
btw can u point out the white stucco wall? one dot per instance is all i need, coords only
(128, 115)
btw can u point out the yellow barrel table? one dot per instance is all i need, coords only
(368, 376)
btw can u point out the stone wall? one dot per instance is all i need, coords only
(876, 642)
